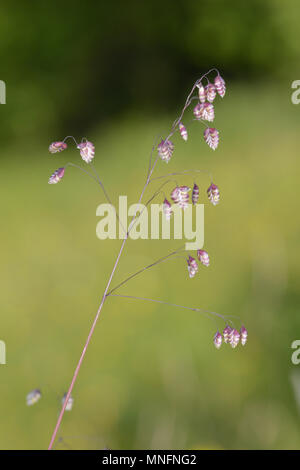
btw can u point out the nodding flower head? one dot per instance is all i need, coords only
(220, 85)
(198, 111)
(57, 147)
(167, 209)
(165, 150)
(244, 335)
(33, 397)
(202, 93)
(87, 151)
(192, 266)
(218, 340)
(227, 334)
(211, 92)
(56, 176)
(208, 113)
(195, 194)
(183, 131)
(213, 194)
(180, 195)
(211, 137)
(203, 257)
(70, 403)
(235, 338)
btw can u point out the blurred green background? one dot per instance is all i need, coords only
(152, 379)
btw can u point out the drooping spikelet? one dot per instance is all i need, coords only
(211, 92)
(211, 137)
(227, 334)
(220, 85)
(165, 150)
(218, 340)
(195, 194)
(203, 257)
(87, 151)
(198, 111)
(213, 194)
(55, 147)
(167, 209)
(56, 176)
(183, 131)
(33, 397)
(202, 93)
(180, 195)
(70, 403)
(244, 335)
(192, 266)
(208, 112)
(235, 338)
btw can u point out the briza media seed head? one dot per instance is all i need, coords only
(195, 194)
(218, 339)
(211, 137)
(165, 150)
(183, 131)
(203, 257)
(55, 147)
(227, 334)
(220, 85)
(87, 151)
(202, 93)
(167, 209)
(180, 195)
(33, 397)
(208, 113)
(211, 92)
(56, 176)
(213, 194)
(235, 338)
(244, 335)
(192, 266)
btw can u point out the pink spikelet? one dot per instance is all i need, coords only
(213, 194)
(192, 266)
(203, 257)
(167, 209)
(183, 131)
(202, 93)
(227, 334)
(235, 338)
(220, 85)
(180, 195)
(218, 339)
(87, 151)
(198, 111)
(208, 113)
(56, 176)
(211, 137)
(195, 194)
(55, 147)
(165, 150)
(244, 335)
(211, 92)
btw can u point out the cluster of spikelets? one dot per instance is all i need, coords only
(35, 395)
(180, 197)
(231, 336)
(192, 263)
(203, 111)
(87, 153)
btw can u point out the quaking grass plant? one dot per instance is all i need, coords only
(204, 92)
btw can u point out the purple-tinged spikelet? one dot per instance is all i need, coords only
(198, 111)
(70, 403)
(165, 150)
(202, 93)
(56, 176)
(218, 340)
(203, 257)
(180, 195)
(183, 131)
(244, 335)
(235, 338)
(167, 209)
(213, 194)
(192, 266)
(195, 194)
(220, 85)
(227, 334)
(208, 113)
(87, 151)
(33, 397)
(57, 147)
(211, 92)
(211, 136)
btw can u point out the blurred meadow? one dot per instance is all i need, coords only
(151, 378)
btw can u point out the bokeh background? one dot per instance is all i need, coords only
(119, 73)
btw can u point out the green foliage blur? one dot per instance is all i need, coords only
(119, 73)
